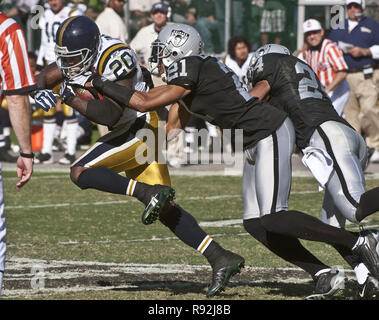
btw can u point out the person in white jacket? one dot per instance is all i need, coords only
(238, 56)
(110, 22)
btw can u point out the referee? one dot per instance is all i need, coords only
(359, 40)
(16, 82)
(327, 61)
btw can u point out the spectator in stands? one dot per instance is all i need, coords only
(94, 8)
(206, 23)
(237, 59)
(359, 40)
(140, 11)
(327, 61)
(110, 22)
(179, 10)
(20, 10)
(273, 21)
(79, 4)
(238, 56)
(141, 43)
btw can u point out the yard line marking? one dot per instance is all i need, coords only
(103, 203)
(233, 222)
(20, 269)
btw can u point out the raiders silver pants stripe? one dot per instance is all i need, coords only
(266, 179)
(347, 149)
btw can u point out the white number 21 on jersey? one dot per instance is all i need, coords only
(177, 69)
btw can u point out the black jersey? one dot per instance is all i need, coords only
(296, 89)
(218, 97)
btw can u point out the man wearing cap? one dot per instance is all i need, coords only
(327, 61)
(141, 43)
(359, 40)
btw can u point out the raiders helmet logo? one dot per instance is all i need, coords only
(178, 38)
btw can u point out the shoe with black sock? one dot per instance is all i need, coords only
(67, 159)
(44, 158)
(367, 249)
(156, 198)
(328, 283)
(224, 267)
(370, 289)
(6, 157)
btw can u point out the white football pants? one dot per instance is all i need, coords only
(266, 179)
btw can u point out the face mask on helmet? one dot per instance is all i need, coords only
(74, 63)
(157, 48)
(174, 42)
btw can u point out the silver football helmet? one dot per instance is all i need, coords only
(266, 49)
(175, 41)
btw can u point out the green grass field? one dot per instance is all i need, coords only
(65, 243)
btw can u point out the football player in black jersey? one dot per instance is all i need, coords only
(81, 49)
(333, 151)
(208, 89)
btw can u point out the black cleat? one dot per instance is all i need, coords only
(67, 159)
(370, 289)
(368, 251)
(224, 268)
(328, 283)
(44, 158)
(158, 196)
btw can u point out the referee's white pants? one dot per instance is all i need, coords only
(266, 179)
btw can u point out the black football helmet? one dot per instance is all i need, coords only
(77, 44)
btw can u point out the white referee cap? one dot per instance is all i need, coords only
(311, 25)
(362, 3)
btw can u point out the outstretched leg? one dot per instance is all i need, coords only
(224, 263)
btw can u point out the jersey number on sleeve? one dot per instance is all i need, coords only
(306, 83)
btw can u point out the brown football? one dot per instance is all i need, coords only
(87, 94)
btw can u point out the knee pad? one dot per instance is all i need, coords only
(171, 217)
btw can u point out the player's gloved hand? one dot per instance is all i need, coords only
(97, 81)
(66, 93)
(45, 99)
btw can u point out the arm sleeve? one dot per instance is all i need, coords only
(336, 59)
(17, 77)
